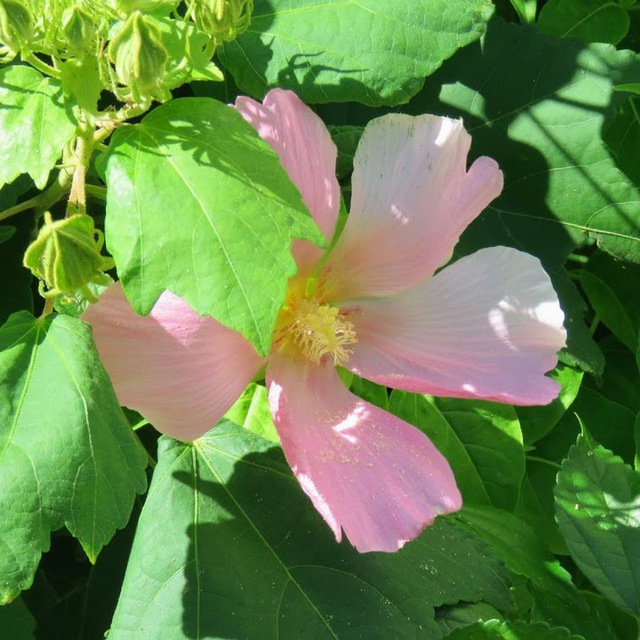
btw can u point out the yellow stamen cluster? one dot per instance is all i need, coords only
(316, 330)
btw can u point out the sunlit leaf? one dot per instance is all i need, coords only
(370, 51)
(198, 204)
(35, 124)
(597, 507)
(245, 555)
(67, 455)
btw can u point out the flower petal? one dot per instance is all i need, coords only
(367, 472)
(412, 198)
(489, 326)
(181, 371)
(306, 152)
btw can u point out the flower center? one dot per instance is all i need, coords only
(318, 331)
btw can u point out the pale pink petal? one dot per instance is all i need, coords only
(412, 198)
(488, 326)
(307, 153)
(181, 371)
(367, 472)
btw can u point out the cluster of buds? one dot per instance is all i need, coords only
(66, 256)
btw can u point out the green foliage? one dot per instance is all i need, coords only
(538, 105)
(589, 20)
(230, 190)
(460, 429)
(246, 555)
(35, 122)
(16, 621)
(496, 630)
(75, 464)
(596, 506)
(339, 51)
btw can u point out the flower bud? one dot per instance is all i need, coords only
(223, 19)
(16, 25)
(66, 254)
(78, 29)
(139, 56)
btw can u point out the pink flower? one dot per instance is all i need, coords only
(488, 326)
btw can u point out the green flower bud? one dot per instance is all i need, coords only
(66, 255)
(78, 29)
(223, 19)
(139, 56)
(16, 25)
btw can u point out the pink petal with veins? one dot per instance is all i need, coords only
(488, 326)
(412, 198)
(181, 371)
(367, 472)
(306, 152)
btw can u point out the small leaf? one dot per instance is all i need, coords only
(198, 204)
(536, 422)
(251, 411)
(497, 630)
(67, 455)
(597, 508)
(309, 48)
(35, 124)
(245, 555)
(6, 233)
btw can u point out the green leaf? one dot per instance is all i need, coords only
(461, 430)
(536, 422)
(622, 134)
(197, 203)
(16, 622)
(35, 124)
(497, 630)
(597, 498)
(537, 105)
(589, 20)
(462, 615)
(67, 455)
(81, 82)
(251, 411)
(526, 10)
(245, 555)
(370, 51)
(612, 289)
(6, 233)
(521, 547)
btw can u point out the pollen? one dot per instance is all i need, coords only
(320, 332)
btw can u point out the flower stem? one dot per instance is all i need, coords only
(41, 65)
(43, 200)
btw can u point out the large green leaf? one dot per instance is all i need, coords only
(481, 440)
(597, 508)
(35, 124)
(589, 20)
(371, 51)
(198, 204)
(67, 455)
(538, 105)
(244, 555)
